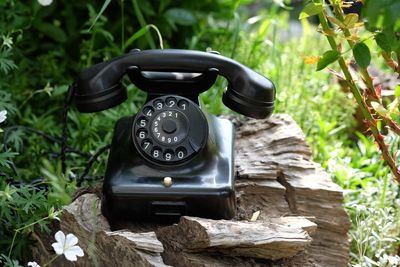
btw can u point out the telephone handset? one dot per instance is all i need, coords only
(172, 158)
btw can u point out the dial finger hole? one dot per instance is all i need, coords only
(181, 152)
(146, 145)
(142, 122)
(169, 155)
(148, 111)
(183, 104)
(170, 101)
(141, 133)
(156, 153)
(158, 104)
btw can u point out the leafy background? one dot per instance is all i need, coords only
(43, 48)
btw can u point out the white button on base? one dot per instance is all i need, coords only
(167, 181)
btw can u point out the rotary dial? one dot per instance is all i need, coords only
(170, 129)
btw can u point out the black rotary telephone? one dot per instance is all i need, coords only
(172, 158)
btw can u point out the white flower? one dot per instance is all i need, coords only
(45, 2)
(3, 115)
(7, 41)
(392, 260)
(66, 246)
(33, 264)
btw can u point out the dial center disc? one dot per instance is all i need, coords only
(169, 126)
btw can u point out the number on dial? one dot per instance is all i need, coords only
(156, 153)
(170, 101)
(148, 111)
(181, 152)
(142, 122)
(146, 144)
(142, 134)
(168, 155)
(182, 104)
(158, 104)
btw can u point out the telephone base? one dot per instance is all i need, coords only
(152, 207)
(133, 188)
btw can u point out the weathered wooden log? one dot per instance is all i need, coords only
(102, 247)
(275, 239)
(275, 175)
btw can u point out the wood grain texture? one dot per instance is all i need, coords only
(272, 240)
(276, 151)
(102, 247)
(301, 222)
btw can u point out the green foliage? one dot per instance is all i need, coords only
(5, 157)
(327, 58)
(376, 234)
(345, 32)
(383, 18)
(60, 191)
(50, 47)
(372, 201)
(371, 197)
(8, 262)
(20, 206)
(180, 16)
(311, 9)
(362, 55)
(6, 63)
(384, 42)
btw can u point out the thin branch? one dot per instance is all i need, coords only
(46, 136)
(90, 163)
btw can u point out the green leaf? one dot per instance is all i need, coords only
(311, 10)
(362, 55)
(350, 20)
(381, 110)
(135, 36)
(397, 90)
(9, 262)
(14, 138)
(5, 158)
(383, 42)
(52, 31)
(180, 16)
(394, 106)
(6, 62)
(103, 8)
(327, 58)
(336, 22)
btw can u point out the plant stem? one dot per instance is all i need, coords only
(122, 25)
(160, 39)
(22, 228)
(53, 259)
(365, 109)
(398, 62)
(91, 45)
(364, 72)
(383, 196)
(367, 79)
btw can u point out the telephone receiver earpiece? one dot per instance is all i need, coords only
(249, 93)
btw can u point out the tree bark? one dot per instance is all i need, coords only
(276, 239)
